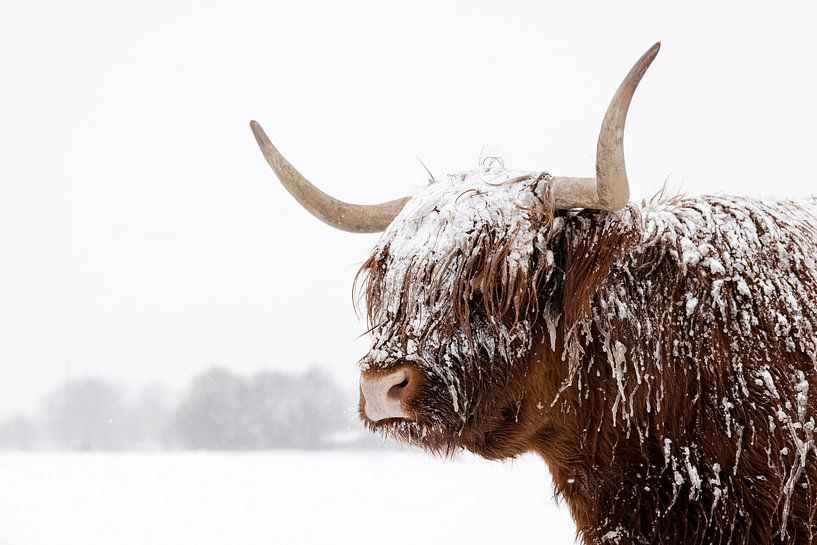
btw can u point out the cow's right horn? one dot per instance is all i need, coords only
(355, 218)
(609, 189)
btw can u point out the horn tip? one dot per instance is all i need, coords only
(260, 136)
(646, 59)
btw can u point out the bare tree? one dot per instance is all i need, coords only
(85, 413)
(18, 433)
(271, 410)
(211, 414)
(147, 416)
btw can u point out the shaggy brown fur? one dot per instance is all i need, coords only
(660, 359)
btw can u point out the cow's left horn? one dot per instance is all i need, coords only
(609, 190)
(355, 218)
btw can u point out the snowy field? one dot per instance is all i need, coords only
(292, 498)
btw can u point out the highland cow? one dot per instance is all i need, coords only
(659, 356)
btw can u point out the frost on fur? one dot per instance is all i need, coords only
(666, 351)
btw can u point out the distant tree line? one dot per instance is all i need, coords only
(219, 410)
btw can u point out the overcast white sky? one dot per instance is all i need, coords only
(143, 237)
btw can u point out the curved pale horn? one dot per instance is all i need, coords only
(355, 218)
(609, 190)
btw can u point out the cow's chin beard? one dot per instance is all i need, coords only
(436, 438)
(492, 436)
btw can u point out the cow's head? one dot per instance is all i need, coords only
(455, 285)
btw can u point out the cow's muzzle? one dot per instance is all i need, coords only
(387, 393)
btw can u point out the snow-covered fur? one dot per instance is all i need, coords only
(661, 359)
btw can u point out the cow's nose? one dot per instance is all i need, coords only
(384, 393)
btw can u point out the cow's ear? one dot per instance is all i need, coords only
(595, 241)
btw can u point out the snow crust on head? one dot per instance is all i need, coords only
(450, 280)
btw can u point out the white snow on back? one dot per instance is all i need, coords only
(749, 272)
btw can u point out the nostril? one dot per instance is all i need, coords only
(397, 391)
(388, 393)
